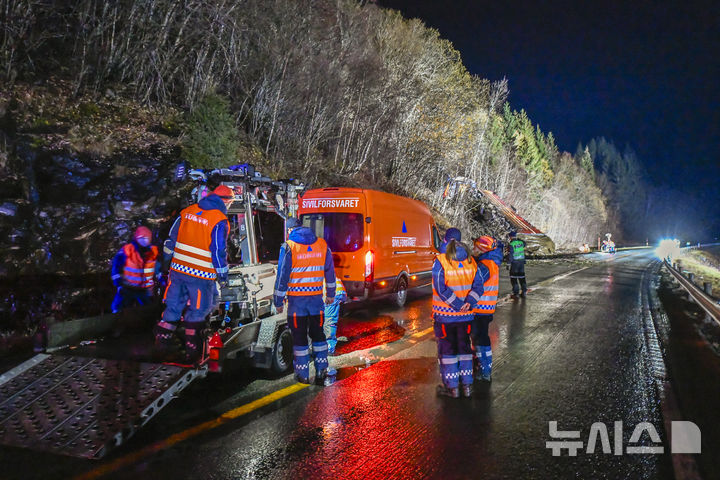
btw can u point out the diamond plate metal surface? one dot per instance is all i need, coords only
(81, 406)
(268, 330)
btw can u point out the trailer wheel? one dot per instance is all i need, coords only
(400, 296)
(282, 353)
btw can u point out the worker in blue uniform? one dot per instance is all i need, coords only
(196, 252)
(457, 283)
(305, 262)
(134, 271)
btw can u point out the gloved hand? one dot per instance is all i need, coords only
(329, 300)
(223, 280)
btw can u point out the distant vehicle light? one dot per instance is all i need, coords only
(414, 277)
(382, 284)
(668, 249)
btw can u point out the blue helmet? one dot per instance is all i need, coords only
(453, 233)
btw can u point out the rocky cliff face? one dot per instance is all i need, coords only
(63, 216)
(69, 213)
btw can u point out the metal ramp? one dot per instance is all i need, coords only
(81, 406)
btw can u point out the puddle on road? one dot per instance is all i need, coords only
(362, 335)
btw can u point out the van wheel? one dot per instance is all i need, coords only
(400, 296)
(282, 353)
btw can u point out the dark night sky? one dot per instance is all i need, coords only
(640, 73)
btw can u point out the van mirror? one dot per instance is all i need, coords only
(436, 238)
(368, 219)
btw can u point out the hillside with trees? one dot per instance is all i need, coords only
(334, 92)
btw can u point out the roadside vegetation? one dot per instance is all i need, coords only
(333, 92)
(705, 264)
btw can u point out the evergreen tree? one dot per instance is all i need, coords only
(211, 139)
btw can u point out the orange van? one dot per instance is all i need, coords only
(382, 244)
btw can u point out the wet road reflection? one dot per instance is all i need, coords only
(573, 351)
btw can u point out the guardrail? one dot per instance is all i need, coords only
(705, 301)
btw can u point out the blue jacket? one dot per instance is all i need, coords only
(218, 244)
(307, 304)
(494, 255)
(448, 296)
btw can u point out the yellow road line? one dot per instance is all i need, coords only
(421, 333)
(134, 457)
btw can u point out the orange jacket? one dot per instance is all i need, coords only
(308, 268)
(191, 254)
(460, 280)
(488, 300)
(139, 270)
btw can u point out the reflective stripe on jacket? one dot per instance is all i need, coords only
(308, 268)
(139, 270)
(459, 278)
(488, 300)
(191, 254)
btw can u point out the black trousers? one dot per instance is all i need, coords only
(479, 330)
(517, 276)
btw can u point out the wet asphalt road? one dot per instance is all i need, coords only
(574, 351)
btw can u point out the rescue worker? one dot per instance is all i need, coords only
(488, 253)
(304, 262)
(457, 287)
(516, 255)
(332, 315)
(452, 233)
(196, 252)
(134, 269)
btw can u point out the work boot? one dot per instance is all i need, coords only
(522, 295)
(300, 379)
(444, 391)
(320, 377)
(467, 390)
(484, 356)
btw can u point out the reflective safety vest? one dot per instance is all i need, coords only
(139, 270)
(339, 288)
(487, 302)
(518, 250)
(308, 268)
(459, 279)
(192, 248)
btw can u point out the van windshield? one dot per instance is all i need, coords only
(343, 232)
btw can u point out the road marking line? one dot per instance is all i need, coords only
(133, 457)
(421, 333)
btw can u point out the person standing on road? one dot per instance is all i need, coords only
(332, 315)
(489, 254)
(304, 262)
(196, 251)
(452, 233)
(134, 269)
(457, 287)
(516, 255)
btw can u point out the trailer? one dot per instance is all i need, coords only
(83, 402)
